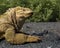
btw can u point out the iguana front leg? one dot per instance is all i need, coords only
(19, 38)
(9, 35)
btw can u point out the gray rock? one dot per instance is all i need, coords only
(51, 38)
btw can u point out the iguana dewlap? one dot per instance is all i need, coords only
(11, 22)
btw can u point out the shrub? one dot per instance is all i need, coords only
(44, 10)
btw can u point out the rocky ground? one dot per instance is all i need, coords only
(49, 30)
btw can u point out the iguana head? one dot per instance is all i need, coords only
(21, 12)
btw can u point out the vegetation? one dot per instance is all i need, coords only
(44, 10)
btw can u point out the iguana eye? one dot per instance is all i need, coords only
(23, 9)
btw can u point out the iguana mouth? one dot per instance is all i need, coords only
(31, 13)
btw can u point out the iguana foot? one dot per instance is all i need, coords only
(33, 38)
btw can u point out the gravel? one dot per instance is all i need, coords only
(49, 30)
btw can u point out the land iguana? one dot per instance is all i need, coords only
(11, 22)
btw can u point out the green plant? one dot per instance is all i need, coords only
(44, 10)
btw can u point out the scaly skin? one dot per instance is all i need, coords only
(11, 22)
